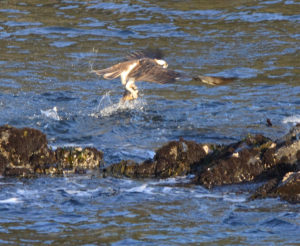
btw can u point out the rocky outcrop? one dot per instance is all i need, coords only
(78, 160)
(25, 153)
(236, 163)
(176, 158)
(287, 189)
(284, 177)
(255, 158)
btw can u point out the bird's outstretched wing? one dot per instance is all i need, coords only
(153, 53)
(148, 70)
(113, 71)
(212, 80)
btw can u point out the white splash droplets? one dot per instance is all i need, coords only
(292, 119)
(51, 113)
(107, 108)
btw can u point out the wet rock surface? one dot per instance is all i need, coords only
(78, 160)
(289, 188)
(25, 153)
(176, 158)
(254, 159)
(236, 163)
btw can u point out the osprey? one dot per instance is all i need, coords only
(149, 66)
(140, 66)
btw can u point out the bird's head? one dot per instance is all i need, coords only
(162, 63)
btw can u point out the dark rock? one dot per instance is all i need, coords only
(25, 153)
(179, 158)
(125, 168)
(176, 158)
(266, 189)
(284, 163)
(22, 151)
(289, 188)
(78, 160)
(236, 163)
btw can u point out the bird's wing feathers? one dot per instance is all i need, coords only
(147, 53)
(113, 71)
(148, 70)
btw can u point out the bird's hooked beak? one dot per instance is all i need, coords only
(163, 63)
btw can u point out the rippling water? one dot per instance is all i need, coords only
(47, 49)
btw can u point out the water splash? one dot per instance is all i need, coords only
(107, 108)
(51, 113)
(12, 200)
(295, 119)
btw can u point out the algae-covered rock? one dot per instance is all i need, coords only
(179, 158)
(25, 153)
(289, 188)
(284, 174)
(176, 158)
(235, 163)
(78, 160)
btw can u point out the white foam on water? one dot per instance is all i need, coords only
(51, 113)
(69, 145)
(13, 200)
(291, 119)
(235, 198)
(28, 193)
(78, 193)
(178, 179)
(225, 197)
(209, 195)
(141, 189)
(141, 153)
(107, 108)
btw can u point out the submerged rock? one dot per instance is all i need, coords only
(176, 158)
(25, 153)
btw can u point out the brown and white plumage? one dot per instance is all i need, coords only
(147, 65)
(140, 66)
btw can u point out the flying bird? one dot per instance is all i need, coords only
(146, 65)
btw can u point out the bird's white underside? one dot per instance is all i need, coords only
(129, 82)
(126, 72)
